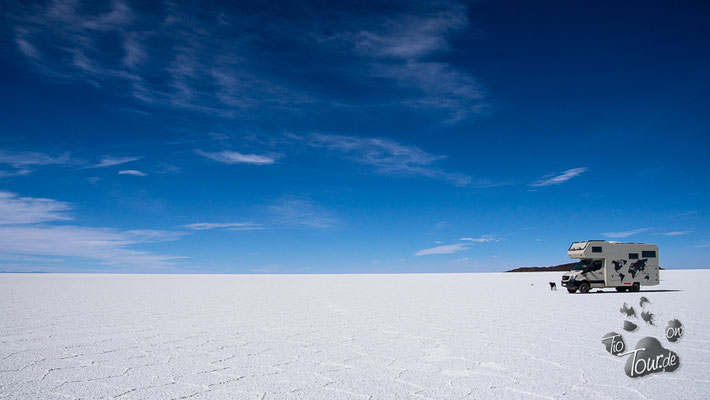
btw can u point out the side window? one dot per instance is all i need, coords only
(596, 266)
(596, 249)
(648, 254)
(633, 256)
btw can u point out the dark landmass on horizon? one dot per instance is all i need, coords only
(561, 267)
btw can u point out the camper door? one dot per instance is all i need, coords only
(595, 273)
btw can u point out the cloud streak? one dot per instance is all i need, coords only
(132, 172)
(624, 234)
(28, 210)
(232, 226)
(387, 157)
(410, 36)
(558, 178)
(676, 233)
(233, 157)
(466, 243)
(23, 162)
(300, 211)
(213, 59)
(113, 161)
(443, 249)
(107, 246)
(400, 49)
(25, 232)
(482, 239)
(32, 159)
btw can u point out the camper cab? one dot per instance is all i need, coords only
(602, 264)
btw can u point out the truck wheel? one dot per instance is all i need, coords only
(620, 289)
(571, 290)
(584, 288)
(635, 287)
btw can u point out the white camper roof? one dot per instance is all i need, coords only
(603, 248)
(583, 244)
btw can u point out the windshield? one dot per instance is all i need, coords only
(582, 265)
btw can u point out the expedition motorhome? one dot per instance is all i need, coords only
(602, 264)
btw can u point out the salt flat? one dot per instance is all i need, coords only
(430, 336)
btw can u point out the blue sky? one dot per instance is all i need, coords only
(350, 137)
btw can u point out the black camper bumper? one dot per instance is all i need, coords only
(570, 284)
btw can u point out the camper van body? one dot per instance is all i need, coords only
(602, 264)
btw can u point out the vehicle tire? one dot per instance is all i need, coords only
(571, 290)
(620, 289)
(635, 287)
(584, 288)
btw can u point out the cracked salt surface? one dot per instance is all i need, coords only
(427, 336)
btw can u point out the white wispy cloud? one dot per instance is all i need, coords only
(442, 87)
(300, 211)
(399, 48)
(113, 161)
(410, 36)
(467, 242)
(482, 239)
(132, 172)
(27, 210)
(387, 157)
(702, 245)
(443, 249)
(232, 226)
(25, 231)
(207, 60)
(558, 178)
(153, 235)
(169, 56)
(31, 159)
(108, 246)
(22, 163)
(233, 157)
(15, 172)
(624, 234)
(676, 233)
